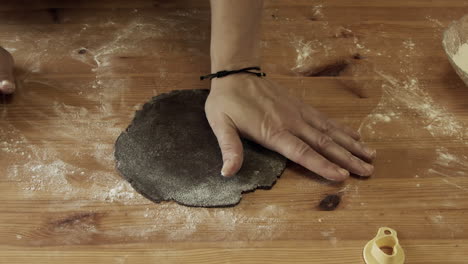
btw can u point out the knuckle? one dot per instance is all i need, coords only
(301, 149)
(228, 147)
(324, 142)
(358, 146)
(274, 126)
(299, 152)
(327, 127)
(274, 134)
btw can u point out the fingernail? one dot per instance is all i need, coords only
(7, 86)
(368, 167)
(343, 172)
(225, 165)
(370, 152)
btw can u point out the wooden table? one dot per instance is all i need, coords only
(84, 67)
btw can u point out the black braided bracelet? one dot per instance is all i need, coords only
(221, 74)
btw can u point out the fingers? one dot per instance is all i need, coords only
(346, 139)
(298, 151)
(7, 83)
(325, 145)
(312, 116)
(355, 147)
(351, 132)
(230, 144)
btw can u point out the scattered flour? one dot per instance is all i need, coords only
(435, 21)
(120, 192)
(461, 57)
(89, 117)
(446, 159)
(405, 95)
(304, 51)
(317, 11)
(436, 219)
(406, 104)
(409, 95)
(382, 118)
(450, 166)
(409, 44)
(329, 234)
(311, 53)
(177, 222)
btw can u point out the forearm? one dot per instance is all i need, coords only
(235, 34)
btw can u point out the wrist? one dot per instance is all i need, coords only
(232, 81)
(225, 65)
(229, 58)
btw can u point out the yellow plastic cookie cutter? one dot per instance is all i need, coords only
(384, 248)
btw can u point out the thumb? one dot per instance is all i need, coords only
(230, 144)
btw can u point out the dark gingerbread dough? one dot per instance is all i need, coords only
(169, 152)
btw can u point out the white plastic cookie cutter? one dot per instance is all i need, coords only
(384, 248)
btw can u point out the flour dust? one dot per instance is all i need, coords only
(406, 102)
(81, 126)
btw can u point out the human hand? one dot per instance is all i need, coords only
(7, 83)
(262, 111)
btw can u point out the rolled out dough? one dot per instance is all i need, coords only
(169, 152)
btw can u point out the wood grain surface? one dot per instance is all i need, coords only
(84, 67)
